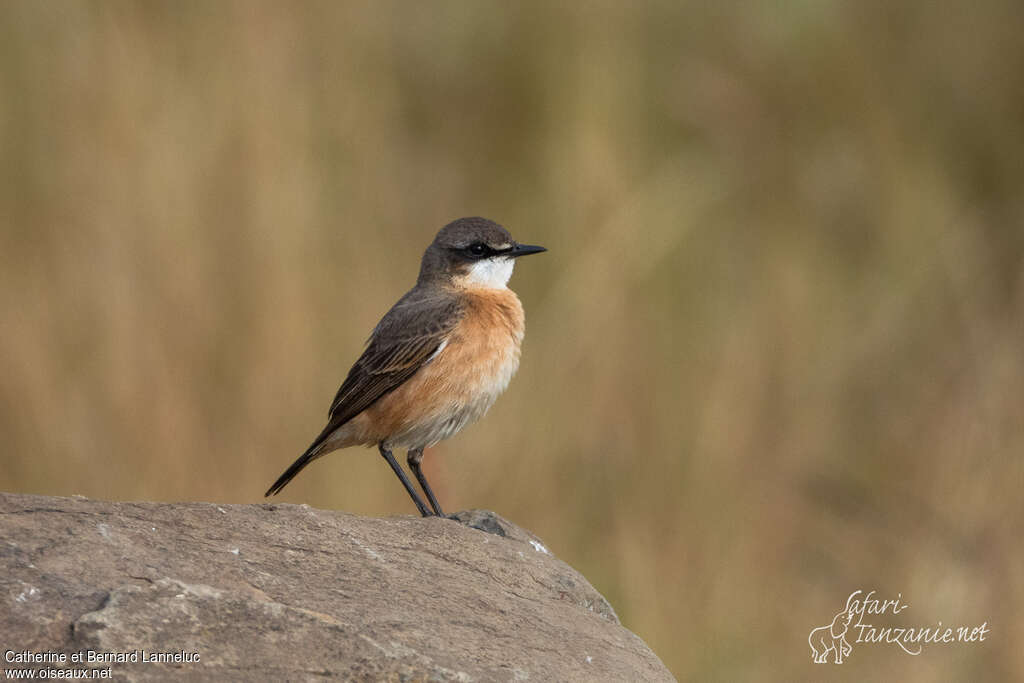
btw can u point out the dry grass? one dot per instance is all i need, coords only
(774, 353)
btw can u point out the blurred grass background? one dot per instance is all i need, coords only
(773, 356)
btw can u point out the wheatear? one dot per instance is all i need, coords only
(437, 360)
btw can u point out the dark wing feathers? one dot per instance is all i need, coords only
(406, 338)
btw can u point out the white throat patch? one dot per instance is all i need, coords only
(491, 273)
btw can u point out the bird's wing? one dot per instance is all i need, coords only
(405, 340)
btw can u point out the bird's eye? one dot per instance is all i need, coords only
(477, 249)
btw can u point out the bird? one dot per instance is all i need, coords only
(437, 360)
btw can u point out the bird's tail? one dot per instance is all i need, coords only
(311, 454)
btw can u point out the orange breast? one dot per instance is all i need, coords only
(458, 386)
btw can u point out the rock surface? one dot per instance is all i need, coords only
(288, 592)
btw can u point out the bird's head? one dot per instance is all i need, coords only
(473, 253)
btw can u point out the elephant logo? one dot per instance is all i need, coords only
(832, 637)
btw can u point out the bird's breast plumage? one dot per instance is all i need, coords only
(457, 387)
(489, 335)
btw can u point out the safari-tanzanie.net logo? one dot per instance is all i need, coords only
(863, 620)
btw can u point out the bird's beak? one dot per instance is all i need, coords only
(524, 250)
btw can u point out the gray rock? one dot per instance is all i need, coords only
(288, 592)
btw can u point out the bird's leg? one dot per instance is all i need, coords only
(405, 480)
(414, 457)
